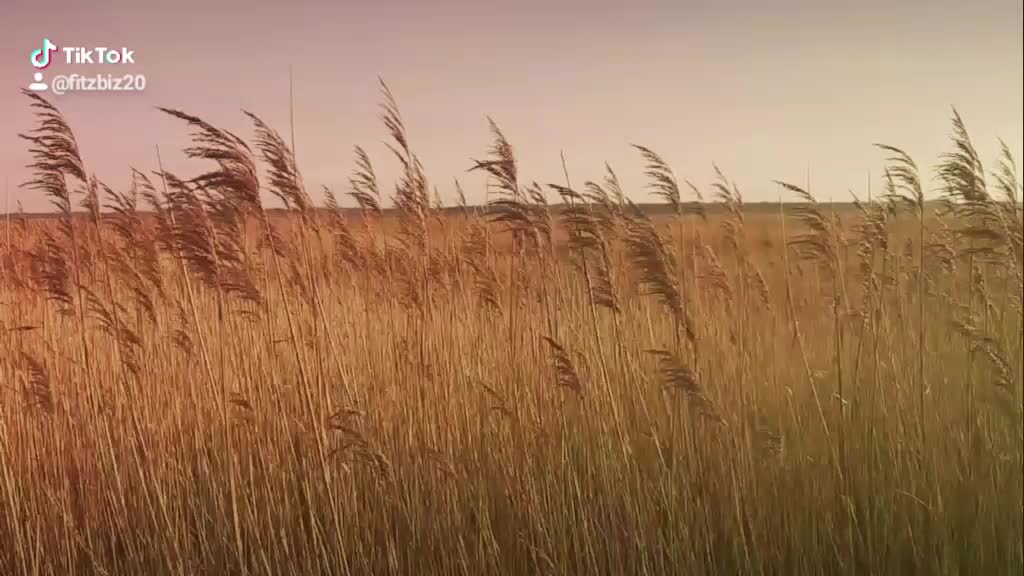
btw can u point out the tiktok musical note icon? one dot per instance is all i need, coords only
(41, 58)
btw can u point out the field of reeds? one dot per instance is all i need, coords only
(558, 382)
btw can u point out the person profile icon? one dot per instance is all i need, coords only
(38, 85)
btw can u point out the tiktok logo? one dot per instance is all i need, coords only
(41, 58)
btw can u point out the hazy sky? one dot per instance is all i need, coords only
(765, 89)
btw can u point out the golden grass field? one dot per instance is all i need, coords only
(556, 383)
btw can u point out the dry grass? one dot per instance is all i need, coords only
(524, 388)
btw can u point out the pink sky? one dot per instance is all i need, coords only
(762, 88)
